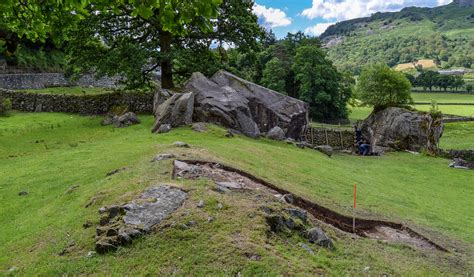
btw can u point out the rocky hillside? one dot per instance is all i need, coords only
(445, 34)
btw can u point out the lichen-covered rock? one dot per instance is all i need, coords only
(317, 236)
(276, 133)
(119, 225)
(401, 129)
(175, 111)
(120, 121)
(164, 128)
(238, 104)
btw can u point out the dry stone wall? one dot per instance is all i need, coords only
(83, 104)
(337, 139)
(45, 80)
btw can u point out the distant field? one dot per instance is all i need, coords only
(443, 97)
(70, 90)
(458, 135)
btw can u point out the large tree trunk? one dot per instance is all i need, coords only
(166, 64)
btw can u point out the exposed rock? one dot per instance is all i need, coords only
(200, 204)
(164, 128)
(210, 219)
(181, 144)
(461, 164)
(175, 111)
(325, 149)
(401, 129)
(276, 133)
(297, 213)
(199, 127)
(303, 144)
(229, 185)
(238, 104)
(229, 134)
(288, 198)
(317, 236)
(307, 248)
(162, 157)
(160, 96)
(121, 224)
(125, 120)
(87, 224)
(23, 193)
(290, 141)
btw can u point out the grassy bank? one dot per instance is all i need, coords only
(45, 154)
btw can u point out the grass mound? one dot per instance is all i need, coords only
(45, 154)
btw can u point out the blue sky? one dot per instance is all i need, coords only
(314, 16)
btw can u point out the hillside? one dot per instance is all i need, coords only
(444, 34)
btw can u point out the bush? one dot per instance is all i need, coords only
(381, 87)
(5, 106)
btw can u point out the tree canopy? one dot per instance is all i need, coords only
(379, 86)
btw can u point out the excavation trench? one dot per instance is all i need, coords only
(373, 229)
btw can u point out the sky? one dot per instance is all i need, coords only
(314, 16)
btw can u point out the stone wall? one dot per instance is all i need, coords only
(83, 104)
(44, 80)
(338, 139)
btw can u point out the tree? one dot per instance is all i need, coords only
(130, 36)
(380, 87)
(469, 88)
(428, 79)
(274, 75)
(320, 84)
(458, 82)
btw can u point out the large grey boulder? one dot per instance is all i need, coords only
(234, 103)
(160, 96)
(120, 121)
(221, 105)
(268, 108)
(176, 111)
(401, 129)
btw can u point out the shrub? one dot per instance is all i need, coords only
(381, 87)
(5, 106)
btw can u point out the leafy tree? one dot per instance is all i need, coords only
(469, 88)
(428, 79)
(119, 28)
(274, 75)
(320, 84)
(380, 87)
(458, 82)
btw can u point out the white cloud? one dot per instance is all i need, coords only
(271, 17)
(349, 9)
(318, 29)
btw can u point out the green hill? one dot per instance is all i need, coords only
(445, 34)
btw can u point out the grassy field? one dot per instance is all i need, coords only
(70, 90)
(46, 153)
(443, 97)
(458, 135)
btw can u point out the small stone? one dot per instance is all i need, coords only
(192, 223)
(226, 186)
(102, 210)
(103, 246)
(317, 236)
(164, 128)
(91, 254)
(290, 141)
(307, 248)
(13, 269)
(87, 224)
(288, 198)
(325, 149)
(210, 219)
(276, 133)
(163, 157)
(118, 170)
(23, 193)
(71, 189)
(367, 268)
(220, 206)
(297, 213)
(200, 204)
(229, 134)
(199, 127)
(181, 144)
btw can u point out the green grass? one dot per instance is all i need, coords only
(458, 135)
(46, 153)
(443, 97)
(70, 90)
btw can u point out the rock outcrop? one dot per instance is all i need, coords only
(176, 111)
(119, 225)
(120, 121)
(234, 103)
(401, 129)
